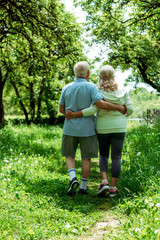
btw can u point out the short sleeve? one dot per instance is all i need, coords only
(95, 94)
(62, 101)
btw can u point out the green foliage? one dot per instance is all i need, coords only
(38, 48)
(34, 181)
(130, 32)
(143, 100)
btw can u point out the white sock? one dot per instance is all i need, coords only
(104, 180)
(113, 188)
(84, 182)
(72, 173)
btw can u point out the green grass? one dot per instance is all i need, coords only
(34, 181)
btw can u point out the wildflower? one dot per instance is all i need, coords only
(5, 160)
(156, 219)
(68, 225)
(137, 230)
(74, 231)
(151, 204)
(156, 231)
(158, 205)
(11, 149)
(146, 201)
(139, 153)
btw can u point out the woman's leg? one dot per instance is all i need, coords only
(117, 141)
(104, 144)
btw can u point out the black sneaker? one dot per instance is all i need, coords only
(103, 188)
(83, 191)
(72, 186)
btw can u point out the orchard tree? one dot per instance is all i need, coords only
(39, 44)
(130, 31)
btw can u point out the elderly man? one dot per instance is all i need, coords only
(76, 96)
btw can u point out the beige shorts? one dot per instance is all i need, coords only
(88, 146)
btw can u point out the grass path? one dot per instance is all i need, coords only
(34, 181)
(109, 223)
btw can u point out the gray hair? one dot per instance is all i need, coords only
(81, 69)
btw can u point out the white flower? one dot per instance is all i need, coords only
(139, 153)
(151, 204)
(74, 231)
(137, 230)
(67, 225)
(5, 160)
(158, 205)
(146, 201)
(156, 231)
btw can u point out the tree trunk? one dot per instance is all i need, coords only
(51, 113)
(2, 83)
(2, 121)
(20, 102)
(52, 118)
(39, 101)
(143, 69)
(32, 102)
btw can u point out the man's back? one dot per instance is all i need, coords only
(77, 96)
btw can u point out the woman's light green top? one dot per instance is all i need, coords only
(111, 121)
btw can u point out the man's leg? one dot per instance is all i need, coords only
(89, 149)
(70, 163)
(86, 167)
(69, 146)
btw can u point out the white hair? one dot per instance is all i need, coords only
(107, 79)
(81, 69)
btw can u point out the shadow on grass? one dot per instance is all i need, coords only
(56, 189)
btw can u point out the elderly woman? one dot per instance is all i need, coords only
(110, 126)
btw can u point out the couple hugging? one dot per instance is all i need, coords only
(79, 101)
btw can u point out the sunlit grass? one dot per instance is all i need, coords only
(34, 181)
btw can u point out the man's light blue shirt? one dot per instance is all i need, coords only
(76, 96)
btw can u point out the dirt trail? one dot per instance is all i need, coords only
(108, 223)
(101, 228)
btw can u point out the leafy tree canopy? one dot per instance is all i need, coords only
(40, 43)
(130, 31)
